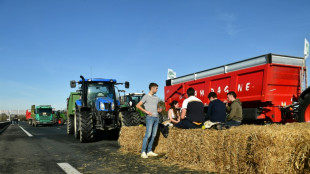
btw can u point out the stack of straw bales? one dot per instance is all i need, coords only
(243, 149)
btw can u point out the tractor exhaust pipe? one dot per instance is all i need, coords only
(84, 94)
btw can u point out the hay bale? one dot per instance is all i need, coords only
(243, 149)
(209, 150)
(131, 138)
(281, 148)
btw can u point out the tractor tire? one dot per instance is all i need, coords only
(125, 118)
(304, 110)
(135, 119)
(70, 124)
(86, 132)
(76, 125)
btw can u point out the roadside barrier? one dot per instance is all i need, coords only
(244, 149)
(4, 125)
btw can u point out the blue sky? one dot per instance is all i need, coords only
(45, 44)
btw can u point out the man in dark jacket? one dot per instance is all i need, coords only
(235, 110)
(216, 109)
(192, 115)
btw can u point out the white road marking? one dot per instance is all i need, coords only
(26, 131)
(68, 168)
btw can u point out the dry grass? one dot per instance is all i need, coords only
(243, 149)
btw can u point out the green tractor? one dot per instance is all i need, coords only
(60, 117)
(129, 102)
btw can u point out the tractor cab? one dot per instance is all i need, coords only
(132, 99)
(101, 96)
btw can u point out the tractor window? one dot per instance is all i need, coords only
(99, 90)
(135, 100)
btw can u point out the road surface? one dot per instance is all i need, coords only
(26, 149)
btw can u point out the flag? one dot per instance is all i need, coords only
(306, 50)
(171, 74)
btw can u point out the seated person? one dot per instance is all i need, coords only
(216, 109)
(192, 115)
(173, 113)
(235, 110)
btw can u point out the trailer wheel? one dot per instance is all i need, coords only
(76, 125)
(70, 124)
(86, 132)
(304, 110)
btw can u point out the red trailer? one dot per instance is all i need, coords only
(28, 114)
(269, 87)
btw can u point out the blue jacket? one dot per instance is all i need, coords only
(216, 111)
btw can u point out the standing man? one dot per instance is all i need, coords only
(192, 115)
(216, 109)
(235, 110)
(150, 103)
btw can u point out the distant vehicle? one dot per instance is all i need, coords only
(269, 87)
(41, 115)
(60, 117)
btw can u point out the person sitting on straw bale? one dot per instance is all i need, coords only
(192, 114)
(216, 109)
(150, 102)
(234, 117)
(173, 114)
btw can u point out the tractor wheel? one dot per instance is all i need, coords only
(304, 110)
(76, 125)
(70, 124)
(125, 118)
(135, 119)
(86, 132)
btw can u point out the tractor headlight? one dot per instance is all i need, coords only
(102, 106)
(113, 106)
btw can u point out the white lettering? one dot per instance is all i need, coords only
(247, 86)
(219, 90)
(202, 92)
(239, 87)
(212, 90)
(196, 93)
(283, 103)
(226, 89)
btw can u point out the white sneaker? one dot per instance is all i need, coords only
(143, 155)
(152, 154)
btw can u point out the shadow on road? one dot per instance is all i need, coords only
(111, 135)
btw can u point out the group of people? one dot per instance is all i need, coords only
(190, 116)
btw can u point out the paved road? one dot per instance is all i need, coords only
(50, 146)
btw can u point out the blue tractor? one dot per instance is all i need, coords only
(97, 109)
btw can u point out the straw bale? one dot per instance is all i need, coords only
(244, 149)
(131, 138)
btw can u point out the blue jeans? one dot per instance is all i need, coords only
(233, 123)
(186, 124)
(151, 131)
